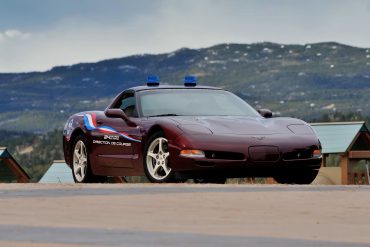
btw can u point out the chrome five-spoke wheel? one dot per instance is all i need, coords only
(81, 166)
(157, 159)
(79, 161)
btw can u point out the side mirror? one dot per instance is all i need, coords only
(118, 113)
(266, 113)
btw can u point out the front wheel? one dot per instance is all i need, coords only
(156, 163)
(302, 176)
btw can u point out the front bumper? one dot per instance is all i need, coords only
(244, 164)
(239, 169)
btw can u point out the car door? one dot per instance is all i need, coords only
(115, 147)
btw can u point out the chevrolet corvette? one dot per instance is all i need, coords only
(174, 133)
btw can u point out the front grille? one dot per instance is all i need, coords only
(218, 155)
(298, 154)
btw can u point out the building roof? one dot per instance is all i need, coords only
(59, 172)
(4, 153)
(338, 137)
(10, 170)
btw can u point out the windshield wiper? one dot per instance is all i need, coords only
(165, 115)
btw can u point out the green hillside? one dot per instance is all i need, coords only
(306, 81)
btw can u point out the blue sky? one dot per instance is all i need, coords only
(39, 34)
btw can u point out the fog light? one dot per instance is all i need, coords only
(192, 153)
(317, 153)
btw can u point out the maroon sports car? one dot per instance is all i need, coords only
(174, 133)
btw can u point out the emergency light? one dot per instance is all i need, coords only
(190, 81)
(152, 80)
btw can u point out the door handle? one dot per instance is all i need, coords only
(99, 122)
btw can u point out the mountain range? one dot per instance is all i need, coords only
(303, 81)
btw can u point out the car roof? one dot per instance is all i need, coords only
(164, 86)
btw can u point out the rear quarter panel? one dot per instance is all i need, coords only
(73, 127)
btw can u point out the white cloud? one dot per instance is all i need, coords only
(175, 24)
(13, 34)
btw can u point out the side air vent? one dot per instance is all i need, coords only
(217, 155)
(299, 154)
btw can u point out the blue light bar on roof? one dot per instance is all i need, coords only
(190, 81)
(153, 80)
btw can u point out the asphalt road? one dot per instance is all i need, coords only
(184, 215)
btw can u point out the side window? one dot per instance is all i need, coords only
(127, 104)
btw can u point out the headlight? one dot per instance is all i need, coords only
(300, 129)
(316, 153)
(194, 129)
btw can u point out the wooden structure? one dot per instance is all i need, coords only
(350, 141)
(10, 170)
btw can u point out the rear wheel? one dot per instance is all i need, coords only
(81, 168)
(301, 176)
(156, 163)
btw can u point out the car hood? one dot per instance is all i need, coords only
(236, 125)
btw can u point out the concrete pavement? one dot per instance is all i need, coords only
(183, 215)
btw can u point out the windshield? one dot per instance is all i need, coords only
(193, 102)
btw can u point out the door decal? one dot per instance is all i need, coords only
(90, 124)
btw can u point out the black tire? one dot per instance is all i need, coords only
(89, 177)
(301, 176)
(168, 178)
(219, 180)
